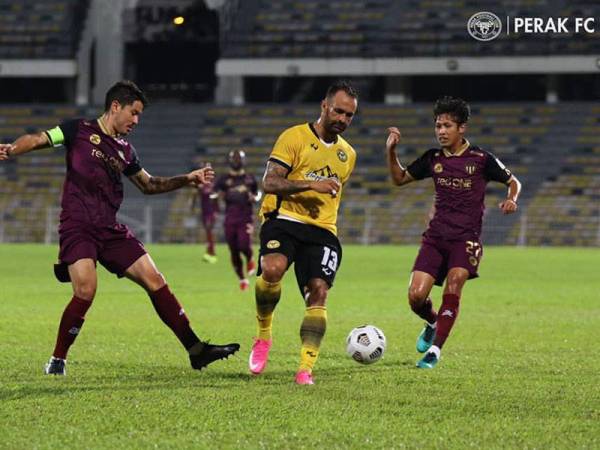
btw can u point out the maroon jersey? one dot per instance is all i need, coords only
(237, 189)
(93, 190)
(460, 181)
(208, 203)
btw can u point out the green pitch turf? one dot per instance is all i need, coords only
(521, 369)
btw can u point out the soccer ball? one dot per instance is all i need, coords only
(366, 344)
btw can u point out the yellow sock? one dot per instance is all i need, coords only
(267, 297)
(312, 332)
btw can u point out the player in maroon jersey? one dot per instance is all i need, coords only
(240, 191)
(209, 206)
(451, 247)
(96, 156)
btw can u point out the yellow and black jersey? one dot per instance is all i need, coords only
(306, 157)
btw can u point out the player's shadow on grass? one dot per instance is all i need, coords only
(60, 388)
(283, 376)
(121, 377)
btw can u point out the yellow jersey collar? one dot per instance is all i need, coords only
(314, 131)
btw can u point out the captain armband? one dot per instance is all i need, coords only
(56, 136)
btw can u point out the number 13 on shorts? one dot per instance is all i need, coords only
(329, 262)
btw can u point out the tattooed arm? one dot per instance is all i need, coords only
(149, 184)
(275, 182)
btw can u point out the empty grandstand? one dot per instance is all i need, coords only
(539, 118)
(391, 28)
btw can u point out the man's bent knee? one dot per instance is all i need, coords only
(85, 291)
(416, 297)
(272, 274)
(154, 281)
(273, 269)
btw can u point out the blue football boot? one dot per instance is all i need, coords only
(428, 361)
(425, 339)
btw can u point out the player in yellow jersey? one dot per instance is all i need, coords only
(303, 183)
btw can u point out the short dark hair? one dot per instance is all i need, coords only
(341, 85)
(125, 92)
(455, 107)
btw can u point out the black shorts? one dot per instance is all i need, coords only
(315, 252)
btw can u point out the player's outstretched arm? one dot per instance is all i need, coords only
(275, 182)
(398, 172)
(24, 144)
(150, 185)
(509, 205)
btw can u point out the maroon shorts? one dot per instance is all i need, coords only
(115, 247)
(239, 235)
(437, 256)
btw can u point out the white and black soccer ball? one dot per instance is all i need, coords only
(366, 344)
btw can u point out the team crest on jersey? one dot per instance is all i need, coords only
(273, 244)
(438, 168)
(314, 146)
(470, 168)
(95, 139)
(341, 154)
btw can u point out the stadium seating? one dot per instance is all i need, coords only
(525, 136)
(566, 207)
(32, 29)
(31, 183)
(378, 28)
(554, 150)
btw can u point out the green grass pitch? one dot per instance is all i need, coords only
(520, 370)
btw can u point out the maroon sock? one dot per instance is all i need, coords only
(425, 311)
(210, 237)
(70, 325)
(247, 253)
(172, 314)
(237, 263)
(446, 317)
